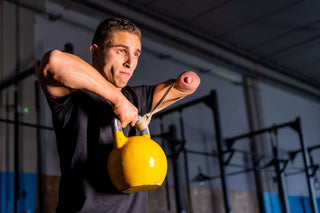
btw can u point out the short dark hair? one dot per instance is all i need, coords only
(107, 27)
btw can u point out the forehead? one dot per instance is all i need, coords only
(125, 38)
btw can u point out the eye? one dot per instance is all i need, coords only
(121, 51)
(137, 54)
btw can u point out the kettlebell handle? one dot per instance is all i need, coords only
(116, 126)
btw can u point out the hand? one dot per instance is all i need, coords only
(126, 112)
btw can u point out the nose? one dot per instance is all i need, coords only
(128, 62)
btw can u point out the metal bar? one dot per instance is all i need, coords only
(7, 153)
(255, 159)
(310, 148)
(241, 172)
(246, 166)
(26, 124)
(306, 161)
(257, 168)
(280, 177)
(293, 154)
(39, 151)
(234, 173)
(176, 172)
(166, 180)
(185, 158)
(201, 153)
(256, 154)
(298, 172)
(270, 129)
(16, 78)
(16, 153)
(213, 154)
(214, 101)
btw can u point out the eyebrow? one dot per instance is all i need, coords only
(124, 46)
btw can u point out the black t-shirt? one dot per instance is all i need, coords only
(82, 123)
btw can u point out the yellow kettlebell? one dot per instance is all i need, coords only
(136, 163)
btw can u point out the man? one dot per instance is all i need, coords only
(84, 100)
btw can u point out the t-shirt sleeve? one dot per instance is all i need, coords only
(61, 108)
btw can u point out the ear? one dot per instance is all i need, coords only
(94, 49)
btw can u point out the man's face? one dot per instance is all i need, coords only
(118, 59)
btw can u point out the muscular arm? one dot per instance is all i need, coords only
(186, 84)
(61, 74)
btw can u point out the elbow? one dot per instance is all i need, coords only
(51, 58)
(49, 62)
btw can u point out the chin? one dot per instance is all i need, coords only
(121, 85)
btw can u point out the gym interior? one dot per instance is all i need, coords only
(246, 141)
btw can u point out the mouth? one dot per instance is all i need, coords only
(124, 73)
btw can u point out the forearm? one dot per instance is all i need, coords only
(62, 73)
(185, 84)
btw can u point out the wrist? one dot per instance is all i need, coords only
(117, 99)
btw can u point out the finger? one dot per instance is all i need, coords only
(134, 121)
(124, 124)
(123, 121)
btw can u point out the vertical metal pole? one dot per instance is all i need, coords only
(7, 159)
(16, 117)
(306, 161)
(166, 180)
(280, 177)
(257, 177)
(39, 153)
(186, 167)
(1, 40)
(214, 106)
(176, 171)
(16, 153)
